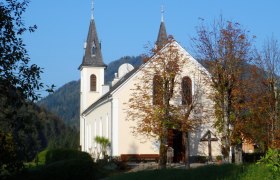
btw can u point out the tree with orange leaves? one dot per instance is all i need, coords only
(159, 102)
(264, 95)
(226, 50)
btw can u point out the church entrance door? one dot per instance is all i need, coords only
(175, 141)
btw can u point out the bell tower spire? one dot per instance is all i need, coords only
(92, 67)
(93, 54)
(162, 35)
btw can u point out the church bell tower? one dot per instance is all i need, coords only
(92, 75)
(92, 68)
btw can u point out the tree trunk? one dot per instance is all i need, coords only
(185, 142)
(163, 151)
(226, 139)
(276, 123)
(238, 154)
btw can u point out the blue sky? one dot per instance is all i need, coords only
(126, 26)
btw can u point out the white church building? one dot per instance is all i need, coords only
(103, 107)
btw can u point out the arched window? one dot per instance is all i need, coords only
(92, 82)
(186, 90)
(157, 90)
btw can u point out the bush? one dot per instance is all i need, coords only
(257, 172)
(252, 157)
(64, 164)
(65, 154)
(121, 165)
(63, 170)
(41, 157)
(271, 160)
(198, 159)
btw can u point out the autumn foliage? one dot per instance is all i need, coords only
(245, 82)
(163, 99)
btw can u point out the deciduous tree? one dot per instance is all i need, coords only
(225, 48)
(19, 84)
(156, 104)
(268, 60)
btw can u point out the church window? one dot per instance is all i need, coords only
(92, 82)
(186, 90)
(157, 90)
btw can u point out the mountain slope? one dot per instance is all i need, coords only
(65, 101)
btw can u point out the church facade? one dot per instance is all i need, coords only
(103, 108)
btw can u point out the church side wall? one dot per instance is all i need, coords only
(97, 123)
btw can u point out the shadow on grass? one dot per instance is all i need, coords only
(210, 172)
(228, 171)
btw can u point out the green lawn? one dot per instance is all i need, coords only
(227, 172)
(66, 164)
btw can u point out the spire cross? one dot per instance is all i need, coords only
(92, 8)
(162, 13)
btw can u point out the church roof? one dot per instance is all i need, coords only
(162, 38)
(93, 55)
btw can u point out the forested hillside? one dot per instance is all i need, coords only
(65, 101)
(52, 132)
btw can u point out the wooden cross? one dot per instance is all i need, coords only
(208, 137)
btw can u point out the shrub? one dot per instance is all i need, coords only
(271, 160)
(256, 171)
(104, 143)
(219, 158)
(41, 157)
(121, 165)
(63, 170)
(252, 157)
(65, 154)
(198, 159)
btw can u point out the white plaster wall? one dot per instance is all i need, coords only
(88, 97)
(201, 84)
(114, 113)
(128, 142)
(100, 122)
(82, 135)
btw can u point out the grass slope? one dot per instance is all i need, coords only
(225, 172)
